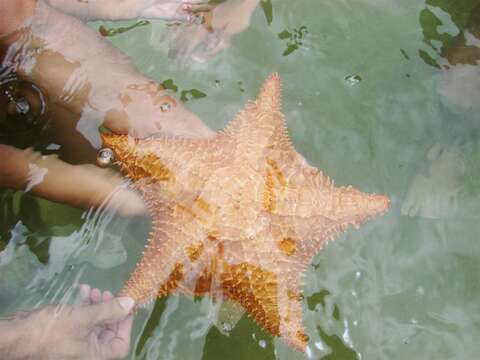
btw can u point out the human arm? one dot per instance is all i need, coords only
(201, 40)
(96, 329)
(81, 186)
(124, 9)
(83, 73)
(87, 83)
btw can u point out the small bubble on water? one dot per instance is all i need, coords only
(262, 343)
(226, 327)
(353, 80)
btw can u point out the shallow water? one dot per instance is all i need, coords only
(362, 101)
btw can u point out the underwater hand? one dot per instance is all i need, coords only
(148, 110)
(125, 9)
(167, 9)
(212, 30)
(96, 329)
(81, 186)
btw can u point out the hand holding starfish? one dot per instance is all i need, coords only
(98, 328)
(68, 63)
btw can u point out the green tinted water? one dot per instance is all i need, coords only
(361, 97)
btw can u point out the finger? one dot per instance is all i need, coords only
(95, 296)
(112, 311)
(84, 290)
(218, 48)
(194, 8)
(126, 202)
(125, 328)
(119, 345)
(107, 296)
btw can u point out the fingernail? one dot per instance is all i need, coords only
(84, 289)
(127, 303)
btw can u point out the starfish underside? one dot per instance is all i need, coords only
(238, 216)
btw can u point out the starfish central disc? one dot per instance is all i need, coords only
(238, 216)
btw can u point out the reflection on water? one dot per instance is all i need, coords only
(403, 287)
(436, 195)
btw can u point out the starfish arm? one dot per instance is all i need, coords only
(255, 289)
(172, 259)
(314, 194)
(260, 126)
(159, 271)
(181, 163)
(271, 296)
(264, 276)
(290, 302)
(292, 187)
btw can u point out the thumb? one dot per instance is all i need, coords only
(110, 311)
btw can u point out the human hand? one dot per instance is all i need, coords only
(126, 9)
(96, 329)
(81, 186)
(211, 30)
(166, 9)
(149, 110)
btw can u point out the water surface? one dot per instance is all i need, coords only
(369, 100)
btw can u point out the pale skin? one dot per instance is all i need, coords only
(138, 104)
(98, 328)
(219, 26)
(139, 107)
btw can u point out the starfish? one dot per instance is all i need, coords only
(239, 215)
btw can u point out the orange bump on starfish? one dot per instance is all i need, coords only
(239, 215)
